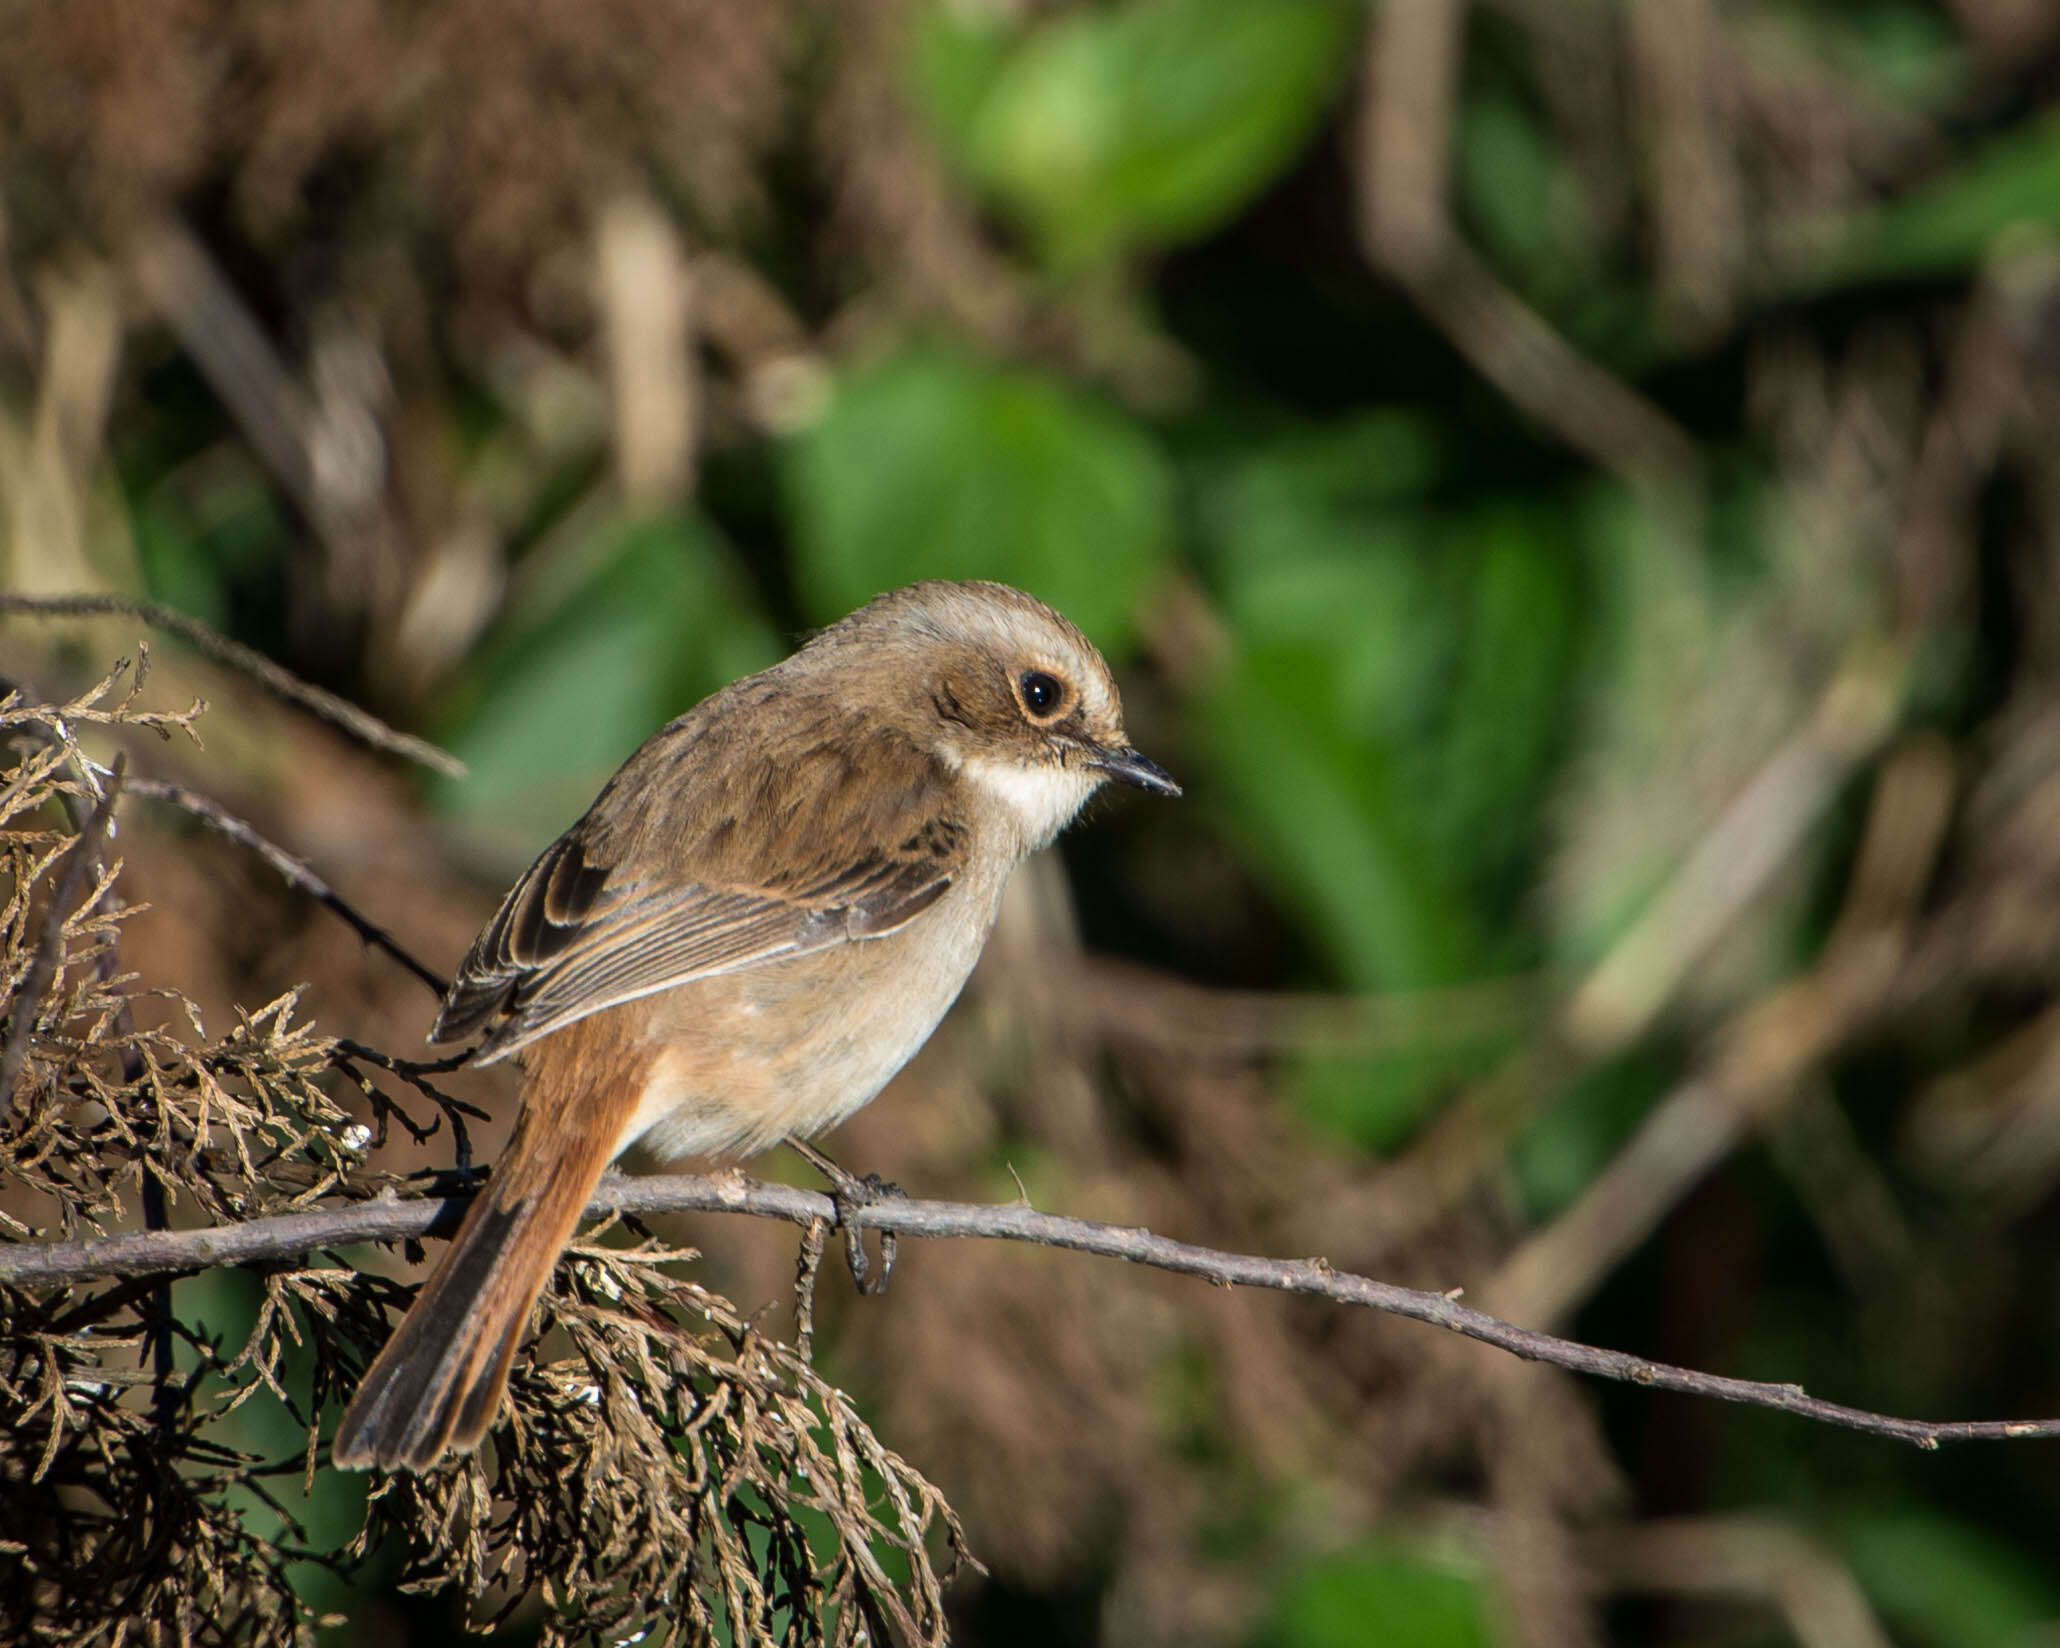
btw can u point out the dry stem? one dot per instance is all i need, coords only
(390, 1219)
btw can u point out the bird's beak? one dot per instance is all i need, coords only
(1121, 762)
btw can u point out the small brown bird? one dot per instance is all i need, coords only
(760, 919)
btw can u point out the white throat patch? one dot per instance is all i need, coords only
(1042, 800)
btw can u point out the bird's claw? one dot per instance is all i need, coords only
(852, 1193)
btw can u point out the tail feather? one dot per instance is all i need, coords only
(457, 1341)
(437, 1385)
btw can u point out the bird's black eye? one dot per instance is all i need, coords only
(1042, 694)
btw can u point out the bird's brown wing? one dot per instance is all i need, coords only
(702, 858)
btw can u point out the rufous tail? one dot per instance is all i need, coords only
(437, 1385)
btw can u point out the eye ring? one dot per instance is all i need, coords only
(1043, 694)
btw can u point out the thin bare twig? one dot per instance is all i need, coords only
(415, 1073)
(1405, 229)
(294, 871)
(390, 1219)
(316, 431)
(808, 1265)
(1626, 992)
(646, 296)
(1745, 1558)
(1743, 849)
(1760, 1062)
(1134, 1003)
(338, 712)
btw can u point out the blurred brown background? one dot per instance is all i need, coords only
(1568, 486)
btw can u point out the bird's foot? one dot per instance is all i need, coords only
(853, 1193)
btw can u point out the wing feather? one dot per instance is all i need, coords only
(701, 858)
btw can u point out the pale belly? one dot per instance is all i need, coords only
(743, 1060)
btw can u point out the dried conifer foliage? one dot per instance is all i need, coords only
(673, 1475)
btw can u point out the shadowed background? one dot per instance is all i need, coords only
(1569, 488)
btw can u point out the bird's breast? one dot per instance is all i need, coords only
(739, 1061)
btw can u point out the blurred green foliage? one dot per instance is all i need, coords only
(1115, 128)
(1948, 1583)
(2004, 193)
(934, 465)
(634, 621)
(1380, 1595)
(1385, 731)
(1410, 662)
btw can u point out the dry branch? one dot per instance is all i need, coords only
(294, 871)
(392, 1219)
(367, 728)
(1405, 229)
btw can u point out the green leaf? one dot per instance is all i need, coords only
(1515, 188)
(1390, 723)
(1339, 833)
(930, 465)
(1951, 224)
(1150, 123)
(955, 55)
(1381, 1596)
(1558, 1156)
(564, 691)
(199, 540)
(1484, 771)
(1949, 1583)
(1903, 52)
